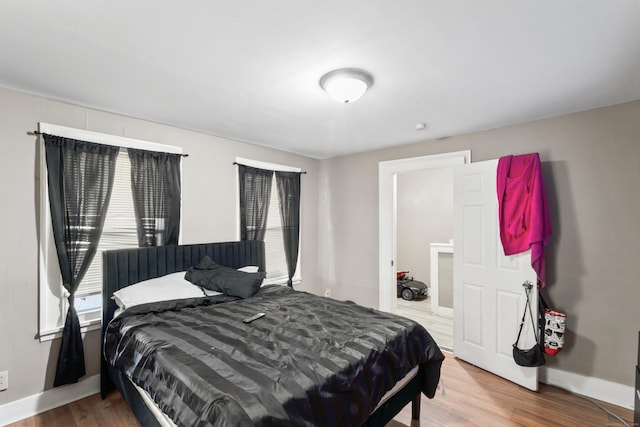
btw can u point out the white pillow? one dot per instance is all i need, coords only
(164, 288)
(210, 293)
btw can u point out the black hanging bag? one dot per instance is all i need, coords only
(535, 355)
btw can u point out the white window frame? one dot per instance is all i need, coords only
(52, 295)
(297, 277)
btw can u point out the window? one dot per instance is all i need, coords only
(119, 232)
(273, 240)
(274, 243)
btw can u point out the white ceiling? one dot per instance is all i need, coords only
(249, 70)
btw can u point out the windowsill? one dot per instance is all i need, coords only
(86, 326)
(282, 281)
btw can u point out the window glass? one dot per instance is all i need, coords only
(88, 303)
(273, 240)
(119, 230)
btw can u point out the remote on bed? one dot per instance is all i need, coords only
(254, 317)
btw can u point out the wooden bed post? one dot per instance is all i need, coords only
(415, 407)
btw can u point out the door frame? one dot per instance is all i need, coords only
(387, 209)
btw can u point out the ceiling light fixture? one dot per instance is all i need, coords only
(346, 84)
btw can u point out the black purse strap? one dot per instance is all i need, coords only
(527, 290)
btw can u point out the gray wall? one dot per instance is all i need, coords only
(424, 216)
(209, 200)
(591, 168)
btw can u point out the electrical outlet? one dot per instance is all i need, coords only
(4, 380)
(327, 292)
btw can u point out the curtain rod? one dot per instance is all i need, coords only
(37, 132)
(236, 163)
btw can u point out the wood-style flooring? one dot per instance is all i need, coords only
(88, 412)
(474, 397)
(440, 328)
(470, 397)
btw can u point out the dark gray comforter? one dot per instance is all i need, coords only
(310, 361)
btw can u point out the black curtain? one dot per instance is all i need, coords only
(255, 194)
(155, 184)
(289, 193)
(80, 176)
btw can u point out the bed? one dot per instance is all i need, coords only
(308, 361)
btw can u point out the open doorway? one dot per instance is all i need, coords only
(391, 174)
(424, 233)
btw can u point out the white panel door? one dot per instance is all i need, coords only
(488, 296)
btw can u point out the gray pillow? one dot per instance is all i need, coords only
(203, 273)
(219, 278)
(238, 283)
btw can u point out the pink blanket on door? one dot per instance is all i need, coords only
(522, 208)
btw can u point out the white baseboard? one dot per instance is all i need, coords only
(49, 399)
(596, 388)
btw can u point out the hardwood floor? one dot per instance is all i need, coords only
(88, 412)
(470, 397)
(440, 328)
(473, 397)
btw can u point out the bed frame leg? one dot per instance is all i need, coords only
(415, 407)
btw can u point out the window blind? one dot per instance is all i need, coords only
(273, 241)
(119, 230)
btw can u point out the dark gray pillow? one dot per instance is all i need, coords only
(204, 273)
(219, 278)
(238, 283)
